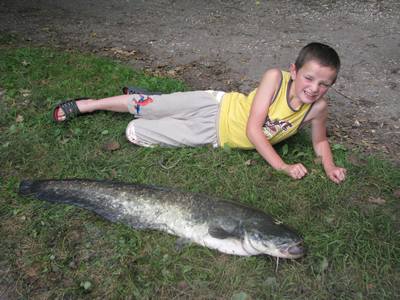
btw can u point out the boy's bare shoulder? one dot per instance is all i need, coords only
(274, 73)
(321, 104)
(318, 110)
(272, 77)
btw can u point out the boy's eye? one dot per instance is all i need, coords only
(308, 78)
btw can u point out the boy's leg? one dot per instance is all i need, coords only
(116, 104)
(166, 104)
(145, 106)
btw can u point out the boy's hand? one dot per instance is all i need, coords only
(296, 171)
(336, 174)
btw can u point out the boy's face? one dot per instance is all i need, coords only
(312, 81)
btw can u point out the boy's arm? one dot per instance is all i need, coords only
(321, 144)
(262, 100)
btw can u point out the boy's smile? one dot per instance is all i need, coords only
(310, 83)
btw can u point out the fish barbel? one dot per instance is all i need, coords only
(219, 224)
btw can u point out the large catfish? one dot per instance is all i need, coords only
(227, 226)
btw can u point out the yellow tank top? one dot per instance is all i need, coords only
(281, 120)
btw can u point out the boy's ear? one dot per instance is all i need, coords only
(293, 71)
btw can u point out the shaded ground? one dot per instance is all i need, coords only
(229, 44)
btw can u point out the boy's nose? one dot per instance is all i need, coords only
(314, 88)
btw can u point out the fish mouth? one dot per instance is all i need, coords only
(294, 251)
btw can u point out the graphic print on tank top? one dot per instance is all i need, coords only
(273, 127)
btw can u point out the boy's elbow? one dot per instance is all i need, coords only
(250, 132)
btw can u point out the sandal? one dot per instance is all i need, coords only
(135, 90)
(69, 108)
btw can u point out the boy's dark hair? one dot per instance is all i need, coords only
(324, 54)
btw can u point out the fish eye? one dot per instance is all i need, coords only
(256, 236)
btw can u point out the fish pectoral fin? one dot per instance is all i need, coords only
(220, 233)
(181, 243)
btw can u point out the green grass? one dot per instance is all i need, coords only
(57, 251)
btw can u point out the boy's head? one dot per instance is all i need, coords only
(323, 54)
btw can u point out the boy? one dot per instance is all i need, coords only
(274, 111)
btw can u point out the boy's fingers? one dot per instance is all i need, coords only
(296, 171)
(302, 169)
(299, 171)
(339, 176)
(334, 178)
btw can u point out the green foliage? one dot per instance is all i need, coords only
(56, 251)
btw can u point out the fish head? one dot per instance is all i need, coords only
(272, 238)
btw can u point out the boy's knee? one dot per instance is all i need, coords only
(131, 135)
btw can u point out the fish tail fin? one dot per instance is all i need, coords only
(25, 187)
(43, 190)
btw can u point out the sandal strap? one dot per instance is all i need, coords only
(70, 109)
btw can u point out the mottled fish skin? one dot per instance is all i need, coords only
(227, 226)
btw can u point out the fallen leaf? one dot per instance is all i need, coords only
(330, 219)
(119, 51)
(318, 160)
(270, 281)
(64, 141)
(250, 162)
(338, 147)
(114, 173)
(355, 160)
(32, 271)
(111, 146)
(171, 72)
(25, 93)
(232, 170)
(19, 119)
(86, 285)
(183, 285)
(376, 200)
(240, 296)
(370, 286)
(324, 265)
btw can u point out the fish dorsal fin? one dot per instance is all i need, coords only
(220, 233)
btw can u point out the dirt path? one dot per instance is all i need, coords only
(228, 44)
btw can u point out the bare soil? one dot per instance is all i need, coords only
(228, 44)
